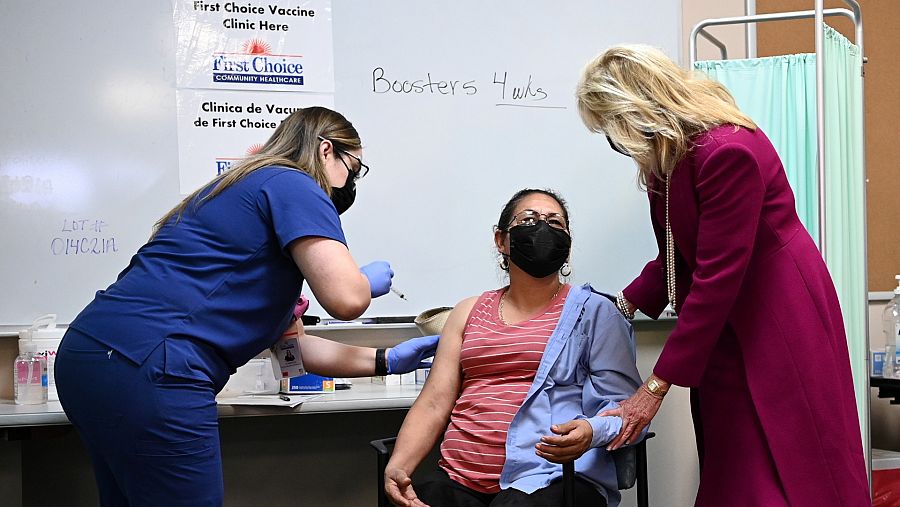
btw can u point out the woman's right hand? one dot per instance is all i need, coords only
(636, 413)
(379, 274)
(399, 490)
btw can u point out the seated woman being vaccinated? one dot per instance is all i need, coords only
(519, 377)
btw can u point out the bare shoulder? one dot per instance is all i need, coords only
(454, 328)
(460, 313)
(465, 306)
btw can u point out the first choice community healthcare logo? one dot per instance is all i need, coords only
(256, 64)
(223, 164)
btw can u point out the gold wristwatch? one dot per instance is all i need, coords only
(655, 387)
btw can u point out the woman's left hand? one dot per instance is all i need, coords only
(574, 439)
(636, 413)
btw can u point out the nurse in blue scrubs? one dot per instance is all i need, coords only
(139, 368)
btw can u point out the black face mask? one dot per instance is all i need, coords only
(539, 250)
(617, 148)
(343, 197)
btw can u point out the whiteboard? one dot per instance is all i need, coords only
(89, 153)
(444, 162)
(87, 146)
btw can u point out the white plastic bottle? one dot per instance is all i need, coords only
(890, 323)
(30, 376)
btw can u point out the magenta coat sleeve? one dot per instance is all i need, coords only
(729, 189)
(648, 291)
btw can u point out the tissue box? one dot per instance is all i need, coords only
(308, 383)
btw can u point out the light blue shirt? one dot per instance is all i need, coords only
(588, 366)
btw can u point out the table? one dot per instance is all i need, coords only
(364, 396)
(887, 388)
(317, 450)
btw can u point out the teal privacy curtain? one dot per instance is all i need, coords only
(845, 201)
(779, 93)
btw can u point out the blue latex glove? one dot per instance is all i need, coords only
(379, 274)
(407, 356)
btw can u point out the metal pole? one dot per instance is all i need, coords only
(692, 44)
(750, 31)
(858, 22)
(820, 118)
(699, 28)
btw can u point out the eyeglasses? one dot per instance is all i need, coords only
(357, 174)
(363, 168)
(531, 217)
(616, 147)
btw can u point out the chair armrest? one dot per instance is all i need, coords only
(383, 446)
(627, 460)
(631, 467)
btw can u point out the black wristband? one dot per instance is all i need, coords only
(381, 367)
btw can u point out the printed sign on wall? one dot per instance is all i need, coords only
(255, 45)
(216, 128)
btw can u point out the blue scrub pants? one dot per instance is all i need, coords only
(152, 434)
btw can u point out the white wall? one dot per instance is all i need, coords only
(694, 11)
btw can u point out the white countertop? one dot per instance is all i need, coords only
(363, 396)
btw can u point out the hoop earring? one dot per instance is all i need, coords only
(565, 270)
(504, 263)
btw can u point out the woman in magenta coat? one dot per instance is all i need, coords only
(759, 338)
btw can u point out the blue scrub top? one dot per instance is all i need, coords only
(221, 276)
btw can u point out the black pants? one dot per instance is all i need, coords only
(437, 489)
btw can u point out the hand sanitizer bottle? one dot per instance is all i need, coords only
(890, 322)
(30, 375)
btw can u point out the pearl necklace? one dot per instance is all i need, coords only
(670, 251)
(503, 298)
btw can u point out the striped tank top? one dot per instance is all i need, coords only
(498, 362)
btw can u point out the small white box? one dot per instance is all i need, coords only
(388, 380)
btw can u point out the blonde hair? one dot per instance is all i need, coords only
(651, 107)
(294, 144)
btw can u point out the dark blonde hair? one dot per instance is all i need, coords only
(651, 107)
(294, 144)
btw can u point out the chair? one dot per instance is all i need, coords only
(631, 470)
